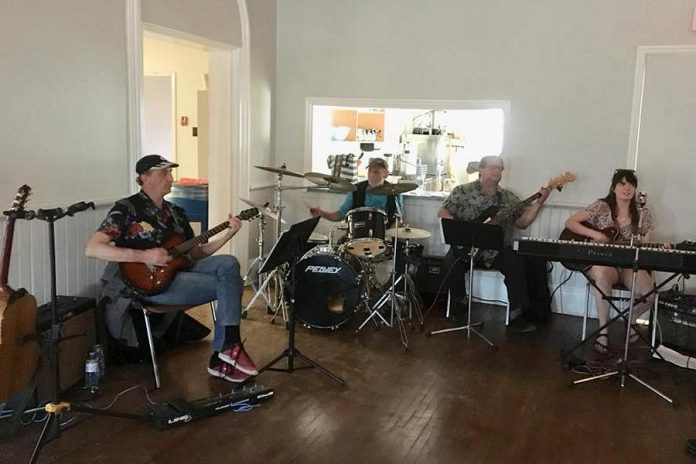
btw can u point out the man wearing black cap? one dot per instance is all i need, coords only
(377, 172)
(134, 231)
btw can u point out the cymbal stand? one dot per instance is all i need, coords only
(276, 277)
(391, 296)
(252, 275)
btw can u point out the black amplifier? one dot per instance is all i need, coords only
(676, 319)
(77, 326)
(430, 273)
(180, 412)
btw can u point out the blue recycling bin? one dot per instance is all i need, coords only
(194, 200)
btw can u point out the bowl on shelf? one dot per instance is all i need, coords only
(339, 133)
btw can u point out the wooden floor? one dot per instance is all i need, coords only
(445, 400)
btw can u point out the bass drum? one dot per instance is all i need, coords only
(327, 289)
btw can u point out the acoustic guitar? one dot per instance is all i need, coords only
(19, 350)
(146, 279)
(496, 214)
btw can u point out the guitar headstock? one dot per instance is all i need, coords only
(560, 181)
(248, 214)
(20, 201)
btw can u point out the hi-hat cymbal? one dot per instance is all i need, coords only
(280, 170)
(408, 233)
(263, 209)
(392, 189)
(335, 184)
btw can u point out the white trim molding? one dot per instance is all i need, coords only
(134, 66)
(638, 92)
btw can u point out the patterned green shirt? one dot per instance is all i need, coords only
(467, 201)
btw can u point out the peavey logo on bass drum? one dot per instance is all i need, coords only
(323, 269)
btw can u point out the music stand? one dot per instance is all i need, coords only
(288, 249)
(475, 236)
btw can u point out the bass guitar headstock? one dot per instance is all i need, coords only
(248, 214)
(559, 182)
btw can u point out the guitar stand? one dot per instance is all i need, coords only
(623, 368)
(51, 428)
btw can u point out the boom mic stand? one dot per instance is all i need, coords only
(623, 367)
(56, 407)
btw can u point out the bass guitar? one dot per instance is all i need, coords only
(149, 280)
(19, 350)
(497, 215)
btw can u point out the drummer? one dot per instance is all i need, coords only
(377, 172)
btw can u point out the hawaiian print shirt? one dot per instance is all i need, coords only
(136, 222)
(467, 201)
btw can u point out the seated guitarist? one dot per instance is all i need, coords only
(134, 230)
(525, 276)
(615, 218)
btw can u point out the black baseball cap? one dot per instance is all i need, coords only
(148, 162)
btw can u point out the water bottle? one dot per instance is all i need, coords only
(92, 372)
(99, 351)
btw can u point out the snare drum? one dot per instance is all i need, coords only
(366, 229)
(327, 289)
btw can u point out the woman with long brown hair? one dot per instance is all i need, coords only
(618, 212)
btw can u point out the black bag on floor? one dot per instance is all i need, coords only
(182, 329)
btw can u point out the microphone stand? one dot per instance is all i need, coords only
(623, 367)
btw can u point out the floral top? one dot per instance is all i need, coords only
(600, 218)
(136, 222)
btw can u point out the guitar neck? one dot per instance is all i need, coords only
(185, 247)
(6, 252)
(519, 207)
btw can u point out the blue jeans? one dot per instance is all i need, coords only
(209, 279)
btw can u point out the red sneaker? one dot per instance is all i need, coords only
(227, 372)
(235, 355)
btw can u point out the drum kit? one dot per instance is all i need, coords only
(334, 279)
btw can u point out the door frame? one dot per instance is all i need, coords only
(229, 72)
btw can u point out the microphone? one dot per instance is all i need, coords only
(642, 199)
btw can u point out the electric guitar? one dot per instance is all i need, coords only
(19, 350)
(496, 214)
(148, 280)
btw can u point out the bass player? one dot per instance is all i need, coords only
(526, 279)
(135, 229)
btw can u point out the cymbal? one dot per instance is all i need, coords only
(263, 209)
(280, 170)
(335, 184)
(392, 189)
(408, 233)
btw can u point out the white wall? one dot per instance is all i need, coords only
(566, 66)
(64, 97)
(213, 19)
(262, 19)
